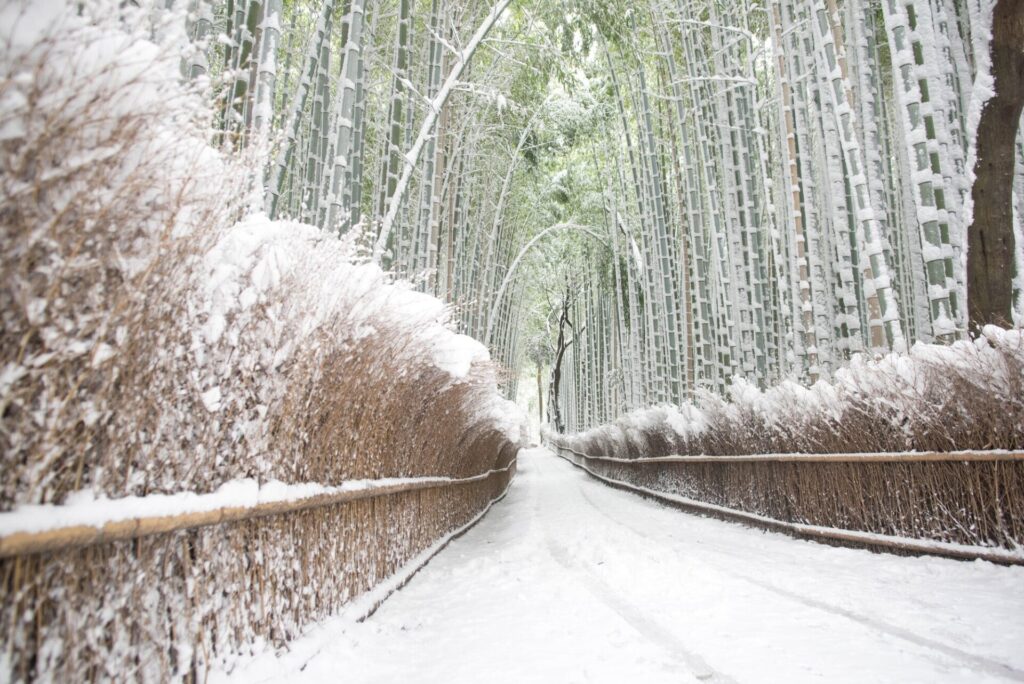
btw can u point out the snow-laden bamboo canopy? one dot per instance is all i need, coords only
(752, 188)
(271, 271)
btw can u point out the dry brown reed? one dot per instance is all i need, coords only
(975, 503)
(969, 397)
(171, 606)
(966, 398)
(109, 199)
(99, 231)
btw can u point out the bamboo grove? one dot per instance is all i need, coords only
(646, 200)
(386, 119)
(790, 187)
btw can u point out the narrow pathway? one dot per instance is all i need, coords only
(568, 580)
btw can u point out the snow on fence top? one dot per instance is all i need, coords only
(83, 521)
(868, 457)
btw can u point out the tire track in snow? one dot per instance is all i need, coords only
(978, 662)
(629, 612)
(634, 617)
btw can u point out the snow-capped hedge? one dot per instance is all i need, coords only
(157, 337)
(967, 395)
(109, 194)
(152, 344)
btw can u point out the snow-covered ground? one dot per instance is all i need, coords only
(568, 580)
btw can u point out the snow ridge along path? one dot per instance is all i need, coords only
(568, 580)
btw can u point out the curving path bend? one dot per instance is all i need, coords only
(568, 580)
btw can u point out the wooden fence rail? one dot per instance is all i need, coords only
(874, 457)
(74, 536)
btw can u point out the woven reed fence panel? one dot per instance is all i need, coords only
(976, 502)
(170, 605)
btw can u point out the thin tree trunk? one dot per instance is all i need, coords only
(990, 255)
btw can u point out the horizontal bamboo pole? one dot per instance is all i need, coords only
(76, 536)
(876, 457)
(829, 534)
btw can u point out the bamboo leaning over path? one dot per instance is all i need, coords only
(967, 504)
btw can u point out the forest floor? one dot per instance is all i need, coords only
(568, 580)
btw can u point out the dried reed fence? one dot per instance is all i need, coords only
(171, 604)
(960, 504)
(155, 340)
(920, 451)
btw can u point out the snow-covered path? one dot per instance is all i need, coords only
(568, 580)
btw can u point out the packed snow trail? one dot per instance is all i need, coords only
(569, 580)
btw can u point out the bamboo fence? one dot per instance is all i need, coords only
(71, 536)
(967, 504)
(168, 597)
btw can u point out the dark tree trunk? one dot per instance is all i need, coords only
(990, 236)
(554, 410)
(540, 396)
